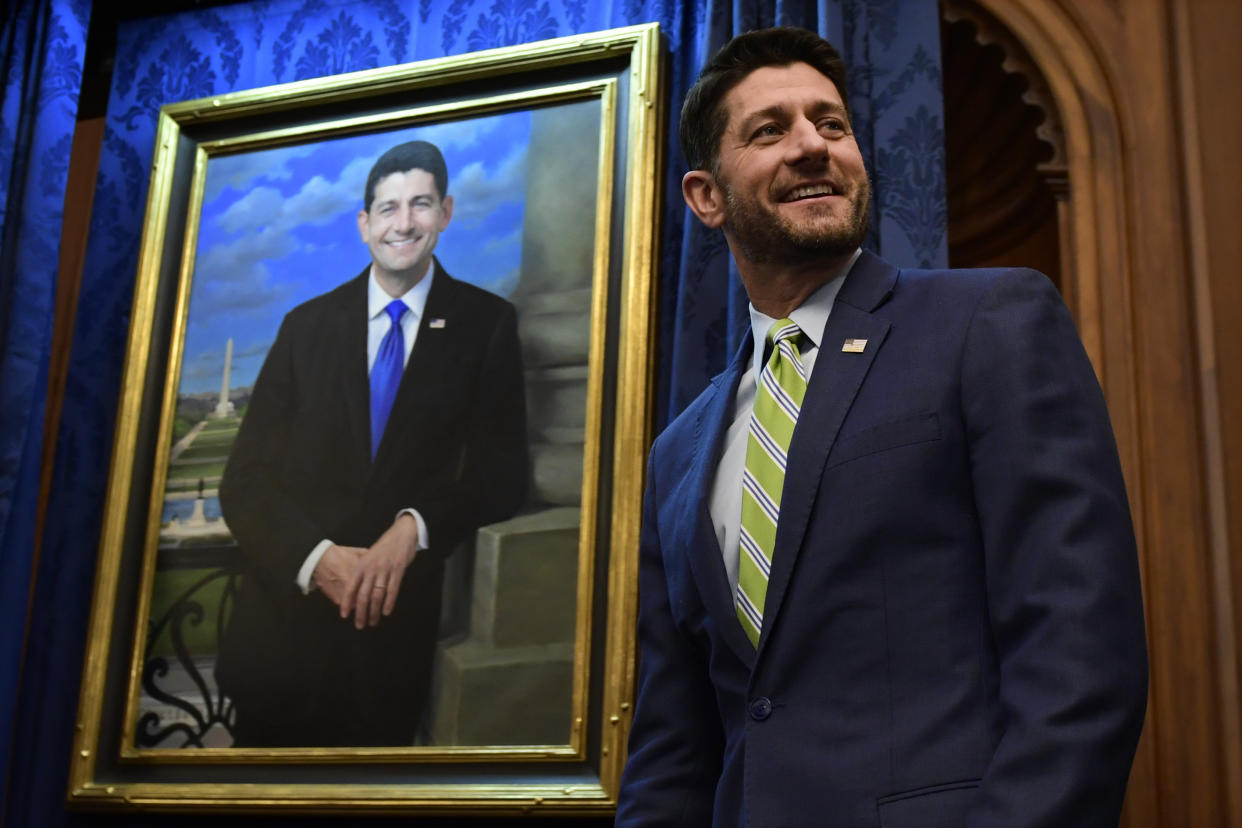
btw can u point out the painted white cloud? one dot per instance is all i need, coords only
(503, 245)
(233, 277)
(222, 262)
(318, 202)
(257, 349)
(203, 371)
(239, 171)
(251, 293)
(199, 370)
(256, 208)
(457, 134)
(353, 180)
(477, 191)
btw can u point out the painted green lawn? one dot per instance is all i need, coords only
(217, 435)
(180, 427)
(173, 583)
(196, 451)
(183, 474)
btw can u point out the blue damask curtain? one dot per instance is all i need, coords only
(892, 46)
(42, 49)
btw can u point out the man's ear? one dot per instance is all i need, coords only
(447, 208)
(704, 197)
(362, 226)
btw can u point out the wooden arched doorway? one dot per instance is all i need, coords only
(1068, 142)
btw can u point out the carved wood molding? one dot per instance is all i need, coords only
(1017, 61)
(1005, 147)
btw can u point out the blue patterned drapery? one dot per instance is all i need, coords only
(892, 46)
(42, 49)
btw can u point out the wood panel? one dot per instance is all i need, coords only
(1209, 67)
(1151, 246)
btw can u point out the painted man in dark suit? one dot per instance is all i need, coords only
(344, 515)
(934, 619)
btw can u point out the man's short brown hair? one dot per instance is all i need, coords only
(412, 155)
(703, 115)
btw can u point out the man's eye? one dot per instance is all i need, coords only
(833, 125)
(767, 131)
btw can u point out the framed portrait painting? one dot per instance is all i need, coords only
(371, 527)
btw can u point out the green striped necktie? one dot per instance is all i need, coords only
(778, 398)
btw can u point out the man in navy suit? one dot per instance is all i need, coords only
(344, 517)
(949, 627)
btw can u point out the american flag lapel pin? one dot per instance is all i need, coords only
(854, 346)
(439, 323)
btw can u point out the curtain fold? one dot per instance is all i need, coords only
(43, 45)
(893, 46)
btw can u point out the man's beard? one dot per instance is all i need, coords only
(766, 237)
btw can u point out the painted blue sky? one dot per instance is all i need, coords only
(279, 227)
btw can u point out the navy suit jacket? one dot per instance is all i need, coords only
(301, 471)
(953, 632)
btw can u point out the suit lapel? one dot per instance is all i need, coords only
(834, 384)
(355, 385)
(706, 559)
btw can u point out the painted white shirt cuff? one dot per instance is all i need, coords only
(312, 560)
(308, 566)
(424, 542)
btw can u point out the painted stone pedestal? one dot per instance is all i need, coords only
(510, 680)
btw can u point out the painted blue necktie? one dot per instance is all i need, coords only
(386, 373)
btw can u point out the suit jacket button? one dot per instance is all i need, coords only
(761, 708)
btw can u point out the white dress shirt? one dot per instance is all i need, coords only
(725, 504)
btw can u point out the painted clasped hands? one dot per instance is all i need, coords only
(365, 582)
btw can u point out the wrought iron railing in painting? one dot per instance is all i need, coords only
(189, 719)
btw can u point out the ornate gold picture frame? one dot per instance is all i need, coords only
(554, 151)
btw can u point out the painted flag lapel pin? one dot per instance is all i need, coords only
(438, 322)
(854, 346)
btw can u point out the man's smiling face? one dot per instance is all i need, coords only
(790, 169)
(406, 218)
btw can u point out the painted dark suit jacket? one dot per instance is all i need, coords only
(953, 632)
(300, 471)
